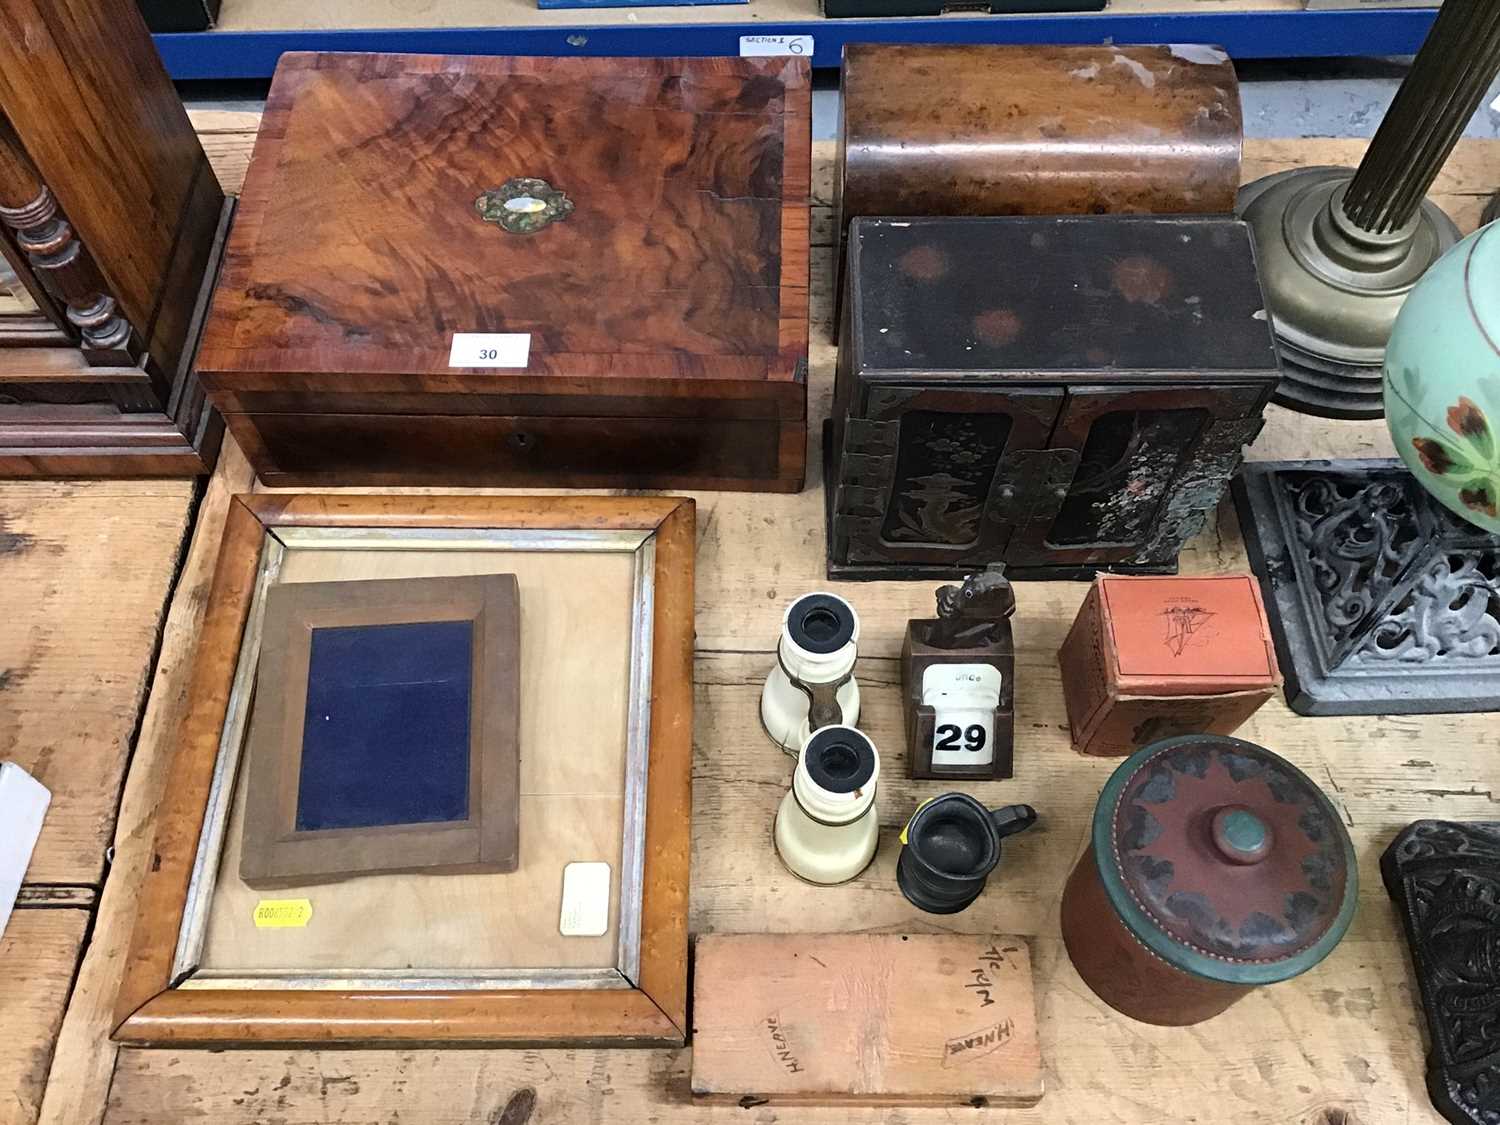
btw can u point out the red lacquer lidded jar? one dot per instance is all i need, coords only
(1215, 866)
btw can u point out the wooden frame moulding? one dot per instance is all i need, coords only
(645, 1004)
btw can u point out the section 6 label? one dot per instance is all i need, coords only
(756, 46)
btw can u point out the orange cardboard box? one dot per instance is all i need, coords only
(1149, 658)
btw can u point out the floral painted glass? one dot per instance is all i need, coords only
(1442, 379)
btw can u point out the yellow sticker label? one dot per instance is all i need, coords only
(282, 913)
(913, 817)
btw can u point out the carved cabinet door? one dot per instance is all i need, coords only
(1143, 467)
(933, 476)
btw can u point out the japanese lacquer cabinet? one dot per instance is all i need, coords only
(1059, 394)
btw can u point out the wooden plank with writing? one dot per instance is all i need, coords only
(877, 1019)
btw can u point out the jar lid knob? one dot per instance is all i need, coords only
(1240, 835)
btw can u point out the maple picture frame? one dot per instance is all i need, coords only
(641, 1001)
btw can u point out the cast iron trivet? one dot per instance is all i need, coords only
(1381, 601)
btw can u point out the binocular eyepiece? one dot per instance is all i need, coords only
(826, 829)
(812, 684)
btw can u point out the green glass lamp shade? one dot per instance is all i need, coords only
(1442, 379)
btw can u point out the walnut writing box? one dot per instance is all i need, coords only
(529, 271)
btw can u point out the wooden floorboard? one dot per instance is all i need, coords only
(85, 573)
(85, 569)
(38, 956)
(55, 894)
(1341, 1045)
(85, 1058)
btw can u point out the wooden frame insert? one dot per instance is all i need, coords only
(278, 848)
(641, 1001)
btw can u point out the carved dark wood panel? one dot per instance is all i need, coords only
(1137, 448)
(1445, 879)
(936, 471)
(1126, 463)
(944, 469)
(932, 480)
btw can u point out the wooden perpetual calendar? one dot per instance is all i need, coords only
(958, 683)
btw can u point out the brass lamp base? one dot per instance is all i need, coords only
(1334, 289)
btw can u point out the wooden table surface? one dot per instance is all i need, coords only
(85, 572)
(1342, 1044)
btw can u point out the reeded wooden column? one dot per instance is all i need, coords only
(59, 260)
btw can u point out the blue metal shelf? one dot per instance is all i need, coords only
(224, 54)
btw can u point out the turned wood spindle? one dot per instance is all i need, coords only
(60, 260)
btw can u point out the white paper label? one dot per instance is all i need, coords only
(23, 804)
(963, 698)
(490, 349)
(585, 900)
(758, 46)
